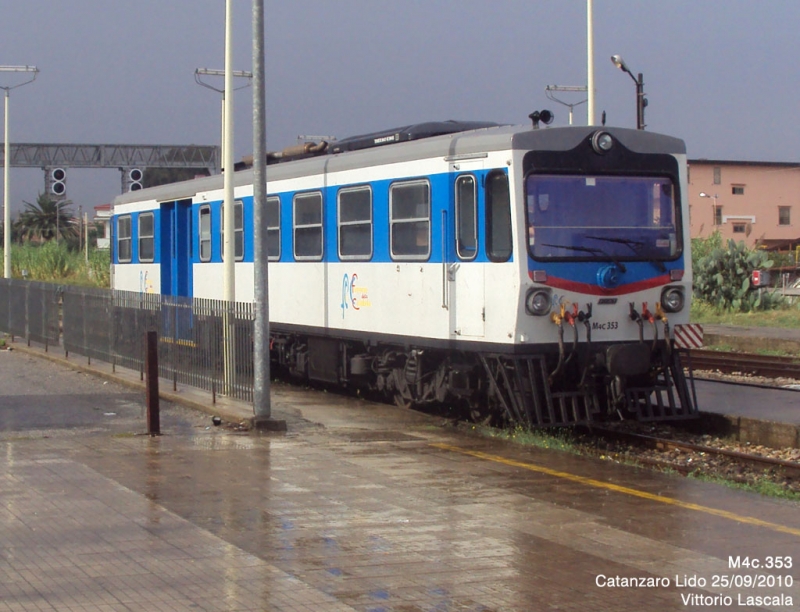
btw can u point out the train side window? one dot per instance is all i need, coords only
(238, 230)
(355, 223)
(466, 217)
(498, 217)
(273, 228)
(204, 228)
(124, 239)
(410, 220)
(146, 237)
(308, 226)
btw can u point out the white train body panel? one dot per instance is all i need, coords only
(460, 245)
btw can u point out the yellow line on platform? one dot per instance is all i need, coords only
(591, 482)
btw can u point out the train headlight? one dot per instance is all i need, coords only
(537, 302)
(602, 142)
(672, 299)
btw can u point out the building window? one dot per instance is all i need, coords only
(717, 175)
(739, 228)
(124, 239)
(355, 223)
(784, 215)
(498, 217)
(737, 189)
(238, 230)
(146, 237)
(308, 226)
(466, 217)
(205, 233)
(273, 228)
(410, 220)
(718, 215)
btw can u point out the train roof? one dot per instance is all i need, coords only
(468, 138)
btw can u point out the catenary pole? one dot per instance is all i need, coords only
(261, 387)
(261, 391)
(229, 257)
(590, 62)
(228, 238)
(7, 165)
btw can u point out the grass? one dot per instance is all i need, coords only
(764, 487)
(56, 262)
(558, 439)
(787, 317)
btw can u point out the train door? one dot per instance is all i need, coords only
(465, 273)
(176, 248)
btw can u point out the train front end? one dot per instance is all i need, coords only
(608, 277)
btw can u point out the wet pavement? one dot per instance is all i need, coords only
(359, 506)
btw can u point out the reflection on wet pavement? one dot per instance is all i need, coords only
(355, 509)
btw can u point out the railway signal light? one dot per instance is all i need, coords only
(58, 182)
(135, 177)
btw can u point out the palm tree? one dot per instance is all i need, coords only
(46, 220)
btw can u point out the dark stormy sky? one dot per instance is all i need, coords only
(721, 74)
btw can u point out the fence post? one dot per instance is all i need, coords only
(151, 384)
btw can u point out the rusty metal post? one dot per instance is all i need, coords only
(151, 383)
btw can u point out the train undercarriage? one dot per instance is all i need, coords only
(643, 381)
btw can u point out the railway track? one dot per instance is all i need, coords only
(704, 454)
(767, 366)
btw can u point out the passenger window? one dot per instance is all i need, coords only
(146, 237)
(498, 217)
(355, 223)
(273, 228)
(124, 239)
(205, 233)
(466, 217)
(308, 226)
(410, 220)
(238, 230)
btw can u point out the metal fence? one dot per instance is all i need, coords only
(202, 343)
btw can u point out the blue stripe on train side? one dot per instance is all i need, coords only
(441, 199)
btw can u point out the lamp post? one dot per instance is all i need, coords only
(6, 165)
(703, 194)
(641, 101)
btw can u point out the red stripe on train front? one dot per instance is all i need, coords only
(591, 289)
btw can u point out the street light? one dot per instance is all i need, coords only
(703, 194)
(6, 164)
(641, 101)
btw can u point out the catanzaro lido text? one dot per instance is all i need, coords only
(716, 581)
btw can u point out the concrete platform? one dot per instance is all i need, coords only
(358, 506)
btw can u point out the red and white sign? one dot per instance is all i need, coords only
(688, 336)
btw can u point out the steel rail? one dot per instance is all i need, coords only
(768, 366)
(663, 444)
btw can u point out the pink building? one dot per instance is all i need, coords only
(756, 202)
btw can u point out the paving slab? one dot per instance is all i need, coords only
(358, 506)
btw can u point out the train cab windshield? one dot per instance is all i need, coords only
(601, 218)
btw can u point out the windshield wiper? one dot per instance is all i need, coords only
(620, 266)
(635, 246)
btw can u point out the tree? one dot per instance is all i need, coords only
(44, 220)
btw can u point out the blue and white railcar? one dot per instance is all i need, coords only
(531, 274)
